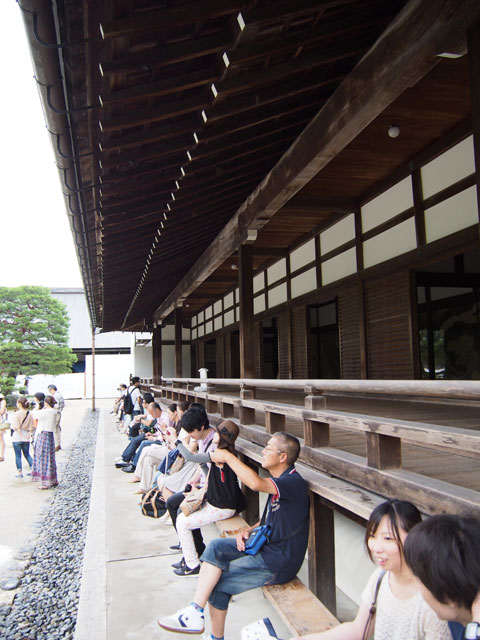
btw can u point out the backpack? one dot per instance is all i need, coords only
(128, 403)
(153, 505)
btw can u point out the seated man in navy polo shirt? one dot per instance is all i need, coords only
(226, 569)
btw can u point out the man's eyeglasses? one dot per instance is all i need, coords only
(267, 448)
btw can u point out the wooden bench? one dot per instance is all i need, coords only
(300, 610)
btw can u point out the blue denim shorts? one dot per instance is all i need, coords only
(240, 572)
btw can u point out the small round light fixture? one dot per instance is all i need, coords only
(393, 131)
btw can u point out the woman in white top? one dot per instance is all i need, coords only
(401, 613)
(3, 417)
(44, 465)
(22, 428)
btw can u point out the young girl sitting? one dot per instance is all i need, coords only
(401, 613)
(223, 497)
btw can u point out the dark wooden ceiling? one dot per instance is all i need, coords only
(158, 178)
(168, 117)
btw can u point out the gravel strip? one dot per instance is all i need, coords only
(49, 570)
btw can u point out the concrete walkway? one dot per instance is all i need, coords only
(22, 504)
(127, 580)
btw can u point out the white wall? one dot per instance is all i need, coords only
(70, 385)
(142, 362)
(110, 371)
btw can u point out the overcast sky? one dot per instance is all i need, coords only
(36, 245)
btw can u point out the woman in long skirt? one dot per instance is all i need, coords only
(44, 465)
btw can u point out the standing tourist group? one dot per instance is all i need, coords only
(34, 425)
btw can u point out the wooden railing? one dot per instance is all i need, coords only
(339, 479)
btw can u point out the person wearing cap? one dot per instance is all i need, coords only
(226, 569)
(3, 418)
(222, 492)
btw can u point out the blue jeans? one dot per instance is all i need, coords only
(132, 447)
(145, 443)
(19, 448)
(240, 572)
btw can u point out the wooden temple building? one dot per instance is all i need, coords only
(286, 193)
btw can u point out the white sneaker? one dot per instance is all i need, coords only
(259, 630)
(119, 459)
(186, 620)
(166, 519)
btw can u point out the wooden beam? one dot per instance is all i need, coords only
(269, 252)
(160, 88)
(310, 206)
(169, 109)
(175, 16)
(163, 56)
(405, 52)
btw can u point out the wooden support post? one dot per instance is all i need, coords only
(252, 512)
(321, 553)
(316, 434)
(212, 405)
(178, 342)
(245, 283)
(314, 399)
(157, 355)
(227, 409)
(247, 415)
(383, 452)
(274, 422)
(189, 395)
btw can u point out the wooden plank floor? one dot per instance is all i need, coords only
(457, 469)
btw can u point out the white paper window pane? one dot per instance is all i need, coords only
(259, 304)
(218, 323)
(208, 312)
(390, 244)
(277, 271)
(228, 301)
(339, 267)
(229, 318)
(303, 255)
(259, 282)
(387, 205)
(453, 165)
(217, 307)
(454, 214)
(339, 233)
(304, 283)
(277, 295)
